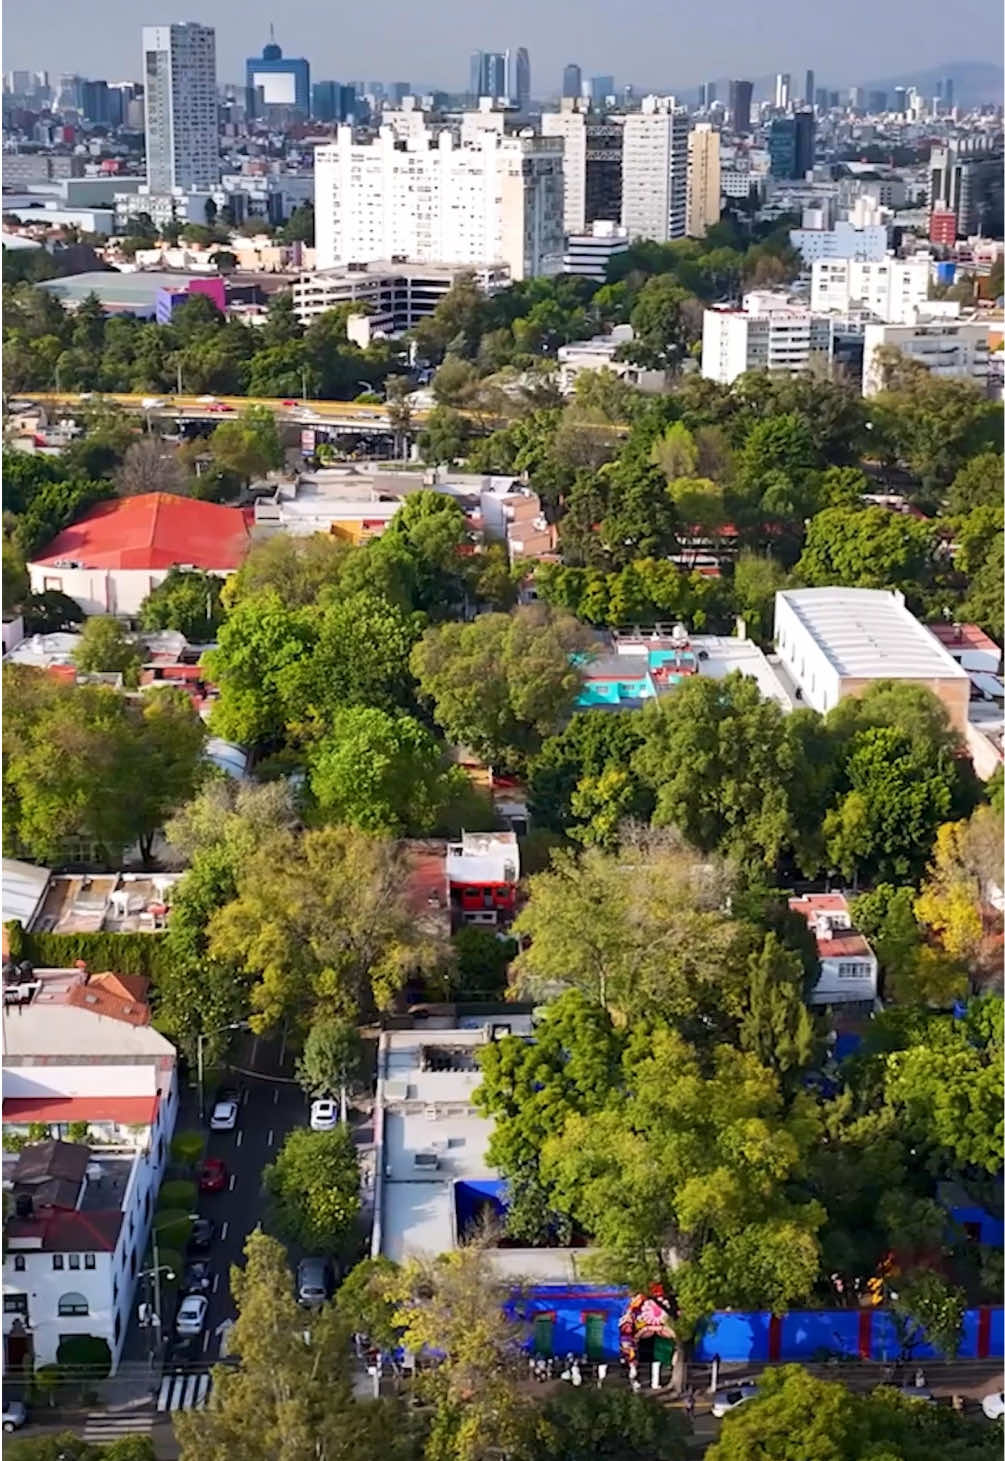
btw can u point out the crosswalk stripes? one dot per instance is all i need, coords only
(183, 1390)
(102, 1425)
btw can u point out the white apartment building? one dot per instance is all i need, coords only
(843, 241)
(80, 1059)
(654, 189)
(953, 348)
(570, 125)
(182, 128)
(590, 253)
(768, 333)
(704, 183)
(889, 289)
(426, 199)
(396, 296)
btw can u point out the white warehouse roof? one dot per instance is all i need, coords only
(870, 634)
(24, 887)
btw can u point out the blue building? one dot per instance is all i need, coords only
(275, 80)
(792, 145)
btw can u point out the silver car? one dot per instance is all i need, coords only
(723, 1401)
(14, 1415)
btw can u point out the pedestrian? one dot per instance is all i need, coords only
(919, 1378)
(689, 1403)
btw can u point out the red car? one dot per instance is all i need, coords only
(212, 1175)
(289, 403)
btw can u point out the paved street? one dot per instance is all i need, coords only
(270, 1107)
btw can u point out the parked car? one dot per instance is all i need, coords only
(197, 1278)
(152, 403)
(723, 1401)
(15, 1413)
(315, 1282)
(224, 1116)
(324, 1114)
(191, 1314)
(200, 1239)
(213, 1174)
(993, 1405)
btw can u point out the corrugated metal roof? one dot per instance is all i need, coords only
(24, 887)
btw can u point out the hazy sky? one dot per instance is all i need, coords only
(650, 42)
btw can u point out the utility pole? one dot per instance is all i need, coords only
(180, 392)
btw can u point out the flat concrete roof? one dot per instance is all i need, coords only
(429, 1112)
(870, 634)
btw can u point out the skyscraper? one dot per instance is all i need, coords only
(900, 99)
(809, 88)
(703, 180)
(182, 132)
(654, 187)
(740, 96)
(273, 80)
(521, 80)
(791, 145)
(601, 87)
(572, 80)
(706, 95)
(783, 89)
(948, 92)
(591, 163)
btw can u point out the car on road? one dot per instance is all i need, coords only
(197, 1278)
(152, 403)
(324, 1114)
(15, 1413)
(200, 1240)
(993, 1405)
(224, 1116)
(213, 1174)
(289, 403)
(191, 1315)
(723, 1401)
(315, 1282)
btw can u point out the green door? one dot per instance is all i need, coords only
(544, 1331)
(595, 1336)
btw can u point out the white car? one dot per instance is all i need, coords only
(993, 1405)
(192, 1314)
(224, 1117)
(728, 1399)
(152, 403)
(324, 1114)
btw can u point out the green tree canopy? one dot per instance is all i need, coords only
(501, 682)
(314, 1189)
(188, 602)
(106, 648)
(382, 773)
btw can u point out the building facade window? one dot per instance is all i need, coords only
(19, 1263)
(57, 1260)
(89, 1260)
(73, 1260)
(16, 1304)
(72, 1306)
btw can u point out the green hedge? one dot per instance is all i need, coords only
(175, 1195)
(121, 953)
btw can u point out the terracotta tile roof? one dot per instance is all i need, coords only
(114, 1000)
(68, 1232)
(843, 943)
(153, 530)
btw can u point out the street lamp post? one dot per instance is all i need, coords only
(200, 1042)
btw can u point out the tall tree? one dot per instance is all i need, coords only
(188, 602)
(314, 1189)
(322, 925)
(106, 648)
(501, 682)
(289, 1393)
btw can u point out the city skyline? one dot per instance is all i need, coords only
(731, 41)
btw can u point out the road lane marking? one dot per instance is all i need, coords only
(216, 1282)
(223, 1229)
(271, 1136)
(275, 1097)
(239, 1138)
(205, 1347)
(244, 1096)
(233, 1180)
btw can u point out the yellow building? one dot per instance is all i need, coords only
(703, 180)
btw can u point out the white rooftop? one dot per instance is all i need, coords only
(726, 654)
(427, 1114)
(869, 633)
(69, 1033)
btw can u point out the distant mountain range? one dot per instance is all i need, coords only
(974, 83)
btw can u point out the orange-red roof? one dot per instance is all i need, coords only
(153, 530)
(111, 995)
(126, 1110)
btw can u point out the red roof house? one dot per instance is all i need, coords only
(118, 551)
